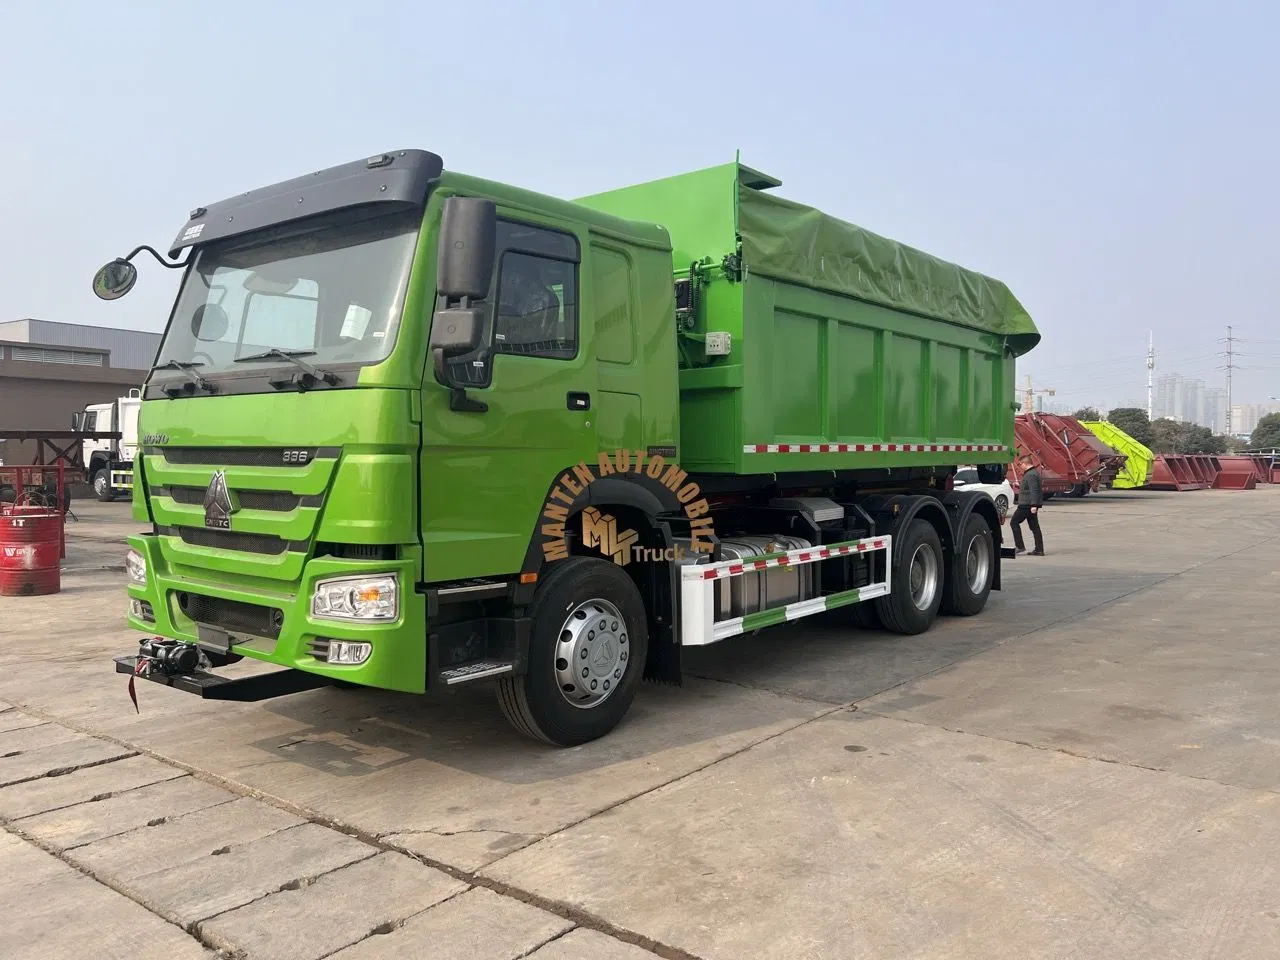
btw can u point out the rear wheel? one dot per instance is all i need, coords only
(912, 605)
(972, 569)
(1002, 504)
(587, 653)
(865, 617)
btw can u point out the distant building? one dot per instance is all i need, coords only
(1168, 398)
(1245, 416)
(83, 344)
(48, 371)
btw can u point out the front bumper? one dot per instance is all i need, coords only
(289, 633)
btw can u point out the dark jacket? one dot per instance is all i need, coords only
(1029, 492)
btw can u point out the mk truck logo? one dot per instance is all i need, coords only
(600, 530)
(218, 504)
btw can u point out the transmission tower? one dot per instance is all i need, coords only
(1230, 341)
(1151, 372)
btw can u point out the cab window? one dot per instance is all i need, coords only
(534, 297)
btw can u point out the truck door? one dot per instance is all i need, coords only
(98, 418)
(128, 428)
(485, 475)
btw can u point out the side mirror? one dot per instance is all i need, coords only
(114, 279)
(455, 331)
(77, 421)
(468, 236)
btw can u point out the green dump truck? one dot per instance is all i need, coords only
(414, 430)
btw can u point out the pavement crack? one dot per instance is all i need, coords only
(391, 926)
(107, 882)
(63, 771)
(435, 832)
(551, 939)
(297, 883)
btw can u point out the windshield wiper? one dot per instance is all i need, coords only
(189, 368)
(292, 356)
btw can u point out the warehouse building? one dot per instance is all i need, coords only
(127, 349)
(49, 371)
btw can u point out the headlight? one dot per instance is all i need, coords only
(356, 598)
(135, 565)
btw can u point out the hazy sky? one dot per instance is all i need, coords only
(1114, 162)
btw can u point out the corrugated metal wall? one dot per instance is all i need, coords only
(130, 349)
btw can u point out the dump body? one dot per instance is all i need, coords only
(1138, 456)
(845, 350)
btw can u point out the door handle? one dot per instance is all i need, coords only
(578, 401)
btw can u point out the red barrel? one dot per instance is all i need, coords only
(30, 551)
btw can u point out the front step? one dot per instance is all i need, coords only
(475, 670)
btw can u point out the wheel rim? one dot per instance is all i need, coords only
(100, 484)
(977, 563)
(923, 576)
(591, 653)
(1002, 504)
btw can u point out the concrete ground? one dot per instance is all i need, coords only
(1089, 769)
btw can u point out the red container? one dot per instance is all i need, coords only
(30, 551)
(1174, 471)
(1236, 473)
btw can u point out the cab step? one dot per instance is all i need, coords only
(475, 670)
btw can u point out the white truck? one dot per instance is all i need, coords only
(108, 464)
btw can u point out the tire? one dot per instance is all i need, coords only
(102, 485)
(552, 702)
(972, 571)
(1002, 505)
(899, 611)
(865, 617)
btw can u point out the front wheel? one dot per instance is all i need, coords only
(587, 653)
(102, 486)
(916, 591)
(972, 569)
(1002, 505)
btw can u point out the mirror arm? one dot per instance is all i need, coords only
(171, 264)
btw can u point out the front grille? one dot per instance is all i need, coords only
(242, 456)
(260, 543)
(232, 615)
(318, 647)
(272, 500)
(357, 551)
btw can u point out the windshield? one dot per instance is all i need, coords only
(332, 294)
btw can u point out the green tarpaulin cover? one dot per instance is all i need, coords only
(789, 241)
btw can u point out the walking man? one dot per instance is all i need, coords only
(1030, 499)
